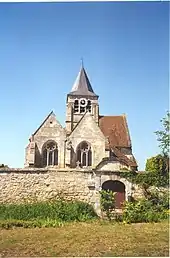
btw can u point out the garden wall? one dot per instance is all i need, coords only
(19, 185)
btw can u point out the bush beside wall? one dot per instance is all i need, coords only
(55, 210)
(153, 209)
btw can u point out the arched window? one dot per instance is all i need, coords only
(84, 154)
(50, 154)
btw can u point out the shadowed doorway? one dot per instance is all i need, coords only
(119, 189)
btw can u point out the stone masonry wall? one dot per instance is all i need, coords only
(17, 186)
(20, 185)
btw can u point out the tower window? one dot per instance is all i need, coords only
(76, 106)
(89, 106)
(82, 109)
(81, 105)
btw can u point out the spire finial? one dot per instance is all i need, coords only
(82, 64)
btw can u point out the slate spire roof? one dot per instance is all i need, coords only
(82, 85)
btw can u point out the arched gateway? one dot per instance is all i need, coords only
(119, 189)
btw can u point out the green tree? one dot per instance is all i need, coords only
(158, 171)
(3, 166)
(163, 136)
(157, 164)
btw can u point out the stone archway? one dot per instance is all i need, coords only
(119, 189)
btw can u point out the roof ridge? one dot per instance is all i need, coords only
(111, 115)
(127, 130)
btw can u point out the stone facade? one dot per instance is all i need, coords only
(29, 185)
(87, 138)
(50, 130)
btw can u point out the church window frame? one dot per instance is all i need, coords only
(50, 154)
(84, 154)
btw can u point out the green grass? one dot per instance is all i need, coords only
(87, 239)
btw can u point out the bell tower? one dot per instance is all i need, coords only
(80, 100)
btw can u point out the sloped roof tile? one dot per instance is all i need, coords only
(123, 158)
(116, 130)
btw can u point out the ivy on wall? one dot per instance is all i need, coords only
(157, 178)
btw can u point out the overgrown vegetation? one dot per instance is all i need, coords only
(107, 203)
(155, 206)
(143, 211)
(152, 209)
(157, 163)
(45, 213)
(147, 179)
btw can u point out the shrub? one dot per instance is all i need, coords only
(143, 211)
(160, 199)
(107, 202)
(54, 210)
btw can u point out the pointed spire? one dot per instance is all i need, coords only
(82, 84)
(82, 64)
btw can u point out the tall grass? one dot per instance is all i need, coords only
(54, 210)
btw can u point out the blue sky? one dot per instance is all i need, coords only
(125, 50)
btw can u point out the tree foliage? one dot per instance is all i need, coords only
(147, 178)
(107, 202)
(158, 163)
(163, 135)
(3, 166)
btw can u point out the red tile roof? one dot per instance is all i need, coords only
(115, 128)
(123, 158)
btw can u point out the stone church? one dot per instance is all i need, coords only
(77, 161)
(88, 141)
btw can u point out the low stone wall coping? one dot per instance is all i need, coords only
(42, 170)
(53, 170)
